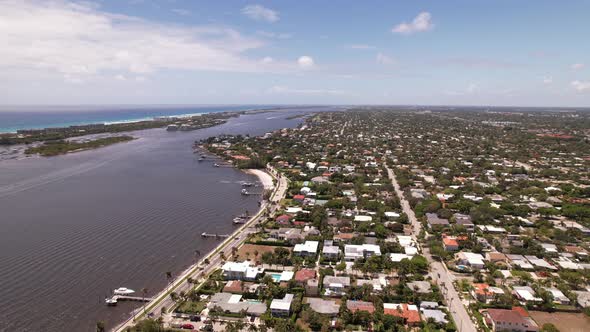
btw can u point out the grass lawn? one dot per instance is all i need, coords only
(190, 307)
(252, 248)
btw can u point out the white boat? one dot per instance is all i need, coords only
(123, 291)
(245, 192)
(111, 302)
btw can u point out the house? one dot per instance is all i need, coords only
(363, 218)
(299, 198)
(353, 252)
(330, 251)
(434, 222)
(307, 249)
(241, 271)
(281, 307)
(355, 306)
(303, 275)
(283, 219)
(496, 257)
(435, 314)
(312, 287)
(336, 286)
(515, 319)
(558, 296)
(520, 261)
(450, 243)
(470, 259)
(233, 303)
(525, 294)
(409, 312)
(233, 286)
(464, 220)
(485, 293)
(540, 263)
(324, 307)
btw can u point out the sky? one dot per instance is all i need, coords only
(499, 53)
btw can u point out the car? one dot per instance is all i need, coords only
(195, 318)
(187, 327)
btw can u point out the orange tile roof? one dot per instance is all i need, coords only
(411, 316)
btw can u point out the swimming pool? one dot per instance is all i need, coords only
(275, 276)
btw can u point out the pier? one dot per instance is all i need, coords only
(116, 298)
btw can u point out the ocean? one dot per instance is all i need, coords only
(74, 227)
(13, 118)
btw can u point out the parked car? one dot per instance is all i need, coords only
(187, 327)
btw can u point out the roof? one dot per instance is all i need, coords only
(327, 307)
(407, 311)
(450, 242)
(233, 286)
(517, 316)
(304, 274)
(308, 246)
(360, 306)
(282, 304)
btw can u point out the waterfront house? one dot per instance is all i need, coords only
(241, 271)
(233, 303)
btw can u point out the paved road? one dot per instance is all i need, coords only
(201, 270)
(443, 277)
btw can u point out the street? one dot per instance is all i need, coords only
(439, 271)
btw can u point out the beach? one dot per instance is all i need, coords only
(265, 179)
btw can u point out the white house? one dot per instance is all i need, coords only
(353, 251)
(241, 271)
(281, 307)
(309, 248)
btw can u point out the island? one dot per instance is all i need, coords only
(54, 148)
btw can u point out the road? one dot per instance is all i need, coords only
(201, 270)
(442, 276)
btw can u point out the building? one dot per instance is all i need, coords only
(324, 307)
(303, 275)
(281, 307)
(525, 294)
(353, 252)
(515, 319)
(409, 312)
(450, 243)
(336, 286)
(434, 222)
(355, 306)
(485, 293)
(307, 249)
(233, 303)
(470, 259)
(312, 287)
(330, 251)
(241, 271)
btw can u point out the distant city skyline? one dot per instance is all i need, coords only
(501, 53)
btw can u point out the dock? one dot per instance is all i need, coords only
(116, 298)
(205, 234)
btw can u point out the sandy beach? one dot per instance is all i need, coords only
(263, 176)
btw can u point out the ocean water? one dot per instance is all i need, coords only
(76, 226)
(36, 117)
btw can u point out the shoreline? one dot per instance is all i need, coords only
(267, 179)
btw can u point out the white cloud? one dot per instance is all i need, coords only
(419, 23)
(269, 34)
(260, 13)
(305, 62)
(283, 90)
(384, 59)
(182, 12)
(362, 47)
(581, 86)
(578, 66)
(267, 60)
(547, 80)
(79, 41)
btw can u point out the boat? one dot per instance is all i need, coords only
(245, 192)
(240, 220)
(111, 301)
(216, 165)
(202, 158)
(123, 291)
(247, 184)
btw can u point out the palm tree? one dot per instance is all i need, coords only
(222, 255)
(143, 294)
(168, 277)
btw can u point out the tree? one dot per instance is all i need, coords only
(143, 295)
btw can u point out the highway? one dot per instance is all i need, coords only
(440, 273)
(201, 271)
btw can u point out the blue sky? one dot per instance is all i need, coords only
(529, 53)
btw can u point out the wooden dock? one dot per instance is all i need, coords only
(116, 298)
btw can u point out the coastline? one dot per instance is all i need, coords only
(267, 180)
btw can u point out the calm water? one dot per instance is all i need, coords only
(73, 227)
